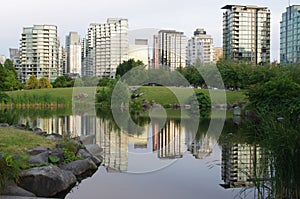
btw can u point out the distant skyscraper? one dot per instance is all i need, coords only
(14, 52)
(172, 49)
(39, 52)
(73, 54)
(290, 35)
(200, 48)
(106, 47)
(246, 33)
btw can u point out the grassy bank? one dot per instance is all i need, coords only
(18, 142)
(56, 97)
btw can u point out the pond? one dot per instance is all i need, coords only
(170, 159)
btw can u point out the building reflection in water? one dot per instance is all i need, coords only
(240, 164)
(170, 142)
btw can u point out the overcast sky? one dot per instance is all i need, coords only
(76, 15)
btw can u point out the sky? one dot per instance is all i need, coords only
(76, 15)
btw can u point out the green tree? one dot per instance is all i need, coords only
(44, 83)
(280, 96)
(63, 81)
(127, 66)
(8, 76)
(32, 83)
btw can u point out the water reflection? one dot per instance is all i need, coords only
(248, 158)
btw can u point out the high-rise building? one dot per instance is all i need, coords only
(200, 48)
(246, 33)
(172, 49)
(73, 54)
(39, 52)
(106, 47)
(290, 35)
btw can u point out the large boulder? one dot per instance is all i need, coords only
(47, 181)
(87, 139)
(81, 167)
(95, 150)
(37, 150)
(40, 159)
(85, 154)
(13, 190)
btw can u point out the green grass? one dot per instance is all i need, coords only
(161, 95)
(55, 93)
(164, 96)
(18, 142)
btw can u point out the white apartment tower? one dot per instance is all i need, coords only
(106, 47)
(200, 48)
(246, 33)
(73, 53)
(39, 52)
(172, 49)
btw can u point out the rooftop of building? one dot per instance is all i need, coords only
(245, 6)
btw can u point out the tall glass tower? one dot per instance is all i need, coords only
(290, 35)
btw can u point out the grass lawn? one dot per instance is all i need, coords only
(161, 95)
(164, 96)
(18, 142)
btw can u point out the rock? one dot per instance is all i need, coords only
(37, 130)
(41, 158)
(85, 154)
(4, 125)
(47, 181)
(95, 150)
(58, 153)
(96, 160)
(54, 136)
(19, 126)
(37, 150)
(89, 139)
(14, 190)
(80, 167)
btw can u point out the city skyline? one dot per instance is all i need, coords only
(139, 14)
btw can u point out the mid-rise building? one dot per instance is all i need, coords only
(241, 164)
(246, 33)
(155, 53)
(2, 59)
(73, 54)
(290, 35)
(39, 52)
(218, 54)
(172, 49)
(106, 46)
(139, 51)
(200, 48)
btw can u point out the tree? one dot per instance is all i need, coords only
(63, 81)
(127, 66)
(32, 83)
(8, 76)
(44, 83)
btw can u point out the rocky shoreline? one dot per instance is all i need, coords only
(45, 179)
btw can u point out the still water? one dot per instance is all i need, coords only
(158, 160)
